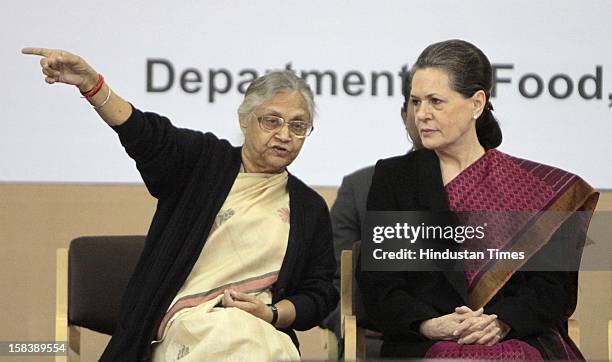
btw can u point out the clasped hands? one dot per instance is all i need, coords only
(466, 327)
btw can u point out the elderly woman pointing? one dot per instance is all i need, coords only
(239, 252)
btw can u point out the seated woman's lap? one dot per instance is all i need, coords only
(227, 334)
(512, 349)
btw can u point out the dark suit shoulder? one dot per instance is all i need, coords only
(362, 173)
(360, 179)
(393, 162)
(405, 166)
(408, 160)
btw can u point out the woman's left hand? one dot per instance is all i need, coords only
(489, 335)
(247, 303)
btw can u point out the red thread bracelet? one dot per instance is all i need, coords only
(92, 92)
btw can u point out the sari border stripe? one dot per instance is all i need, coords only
(253, 284)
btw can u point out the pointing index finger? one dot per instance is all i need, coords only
(43, 52)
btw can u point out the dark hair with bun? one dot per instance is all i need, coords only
(468, 71)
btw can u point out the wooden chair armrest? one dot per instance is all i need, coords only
(71, 335)
(61, 299)
(346, 283)
(573, 329)
(350, 338)
(609, 340)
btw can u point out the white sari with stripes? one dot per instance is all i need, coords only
(244, 251)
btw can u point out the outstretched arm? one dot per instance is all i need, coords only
(60, 66)
(165, 155)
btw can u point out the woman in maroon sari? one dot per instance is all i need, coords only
(492, 310)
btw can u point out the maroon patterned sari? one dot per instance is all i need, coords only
(504, 185)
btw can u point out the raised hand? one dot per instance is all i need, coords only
(64, 67)
(60, 66)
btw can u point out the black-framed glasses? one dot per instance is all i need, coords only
(299, 129)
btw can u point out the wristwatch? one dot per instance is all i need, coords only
(274, 314)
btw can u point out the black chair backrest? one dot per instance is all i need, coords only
(99, 268)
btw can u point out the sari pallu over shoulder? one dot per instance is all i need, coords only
(539, 198)
(537, 203)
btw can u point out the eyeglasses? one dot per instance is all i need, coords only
(300, 129)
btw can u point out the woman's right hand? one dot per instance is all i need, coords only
(64, 67)
(444, 328)
(485, 329)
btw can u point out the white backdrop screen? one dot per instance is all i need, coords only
(191, 61)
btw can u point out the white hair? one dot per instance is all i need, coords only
(267, 86)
